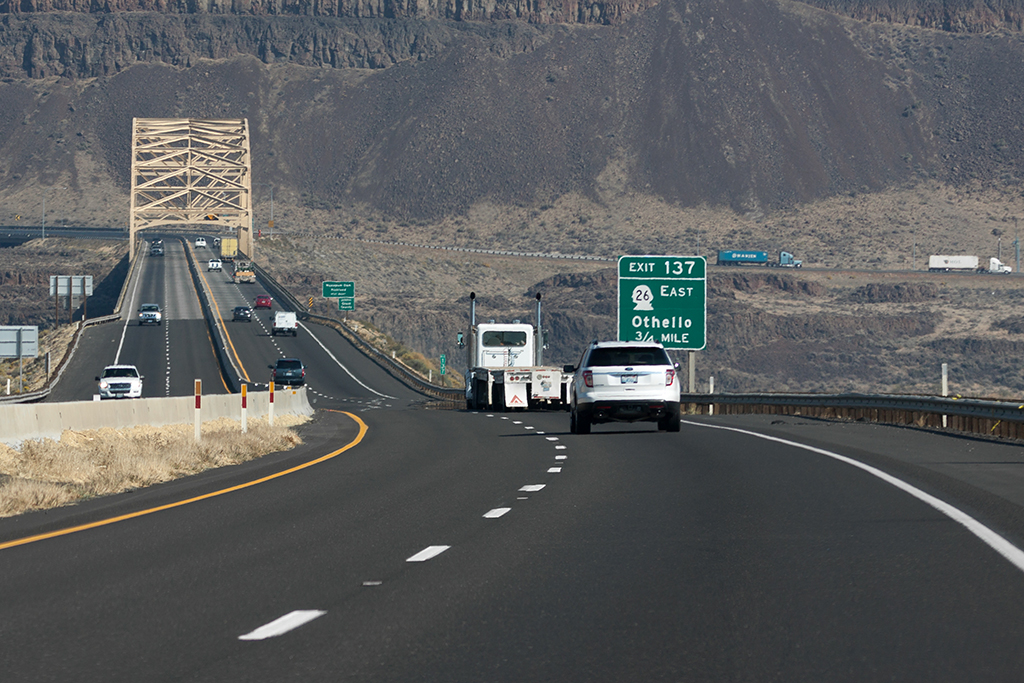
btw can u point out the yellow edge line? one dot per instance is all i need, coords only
(104, 522)
(220, 318)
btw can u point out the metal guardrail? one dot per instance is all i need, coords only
(979, 416)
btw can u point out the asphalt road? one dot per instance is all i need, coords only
(470, 546)
(625, 555)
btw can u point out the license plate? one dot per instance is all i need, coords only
(628, 379)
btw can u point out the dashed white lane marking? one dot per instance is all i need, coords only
(517, 422)
(428, 553)
(551, 438)
(554, 469)
(561, 457)
(522, 498)
(504, 418)
(537, 432)
(1011, 552)
(532, 488)
(560, 448)
(495, 513)
(528, 427)
(290, 621)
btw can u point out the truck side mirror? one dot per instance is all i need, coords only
(462, 344)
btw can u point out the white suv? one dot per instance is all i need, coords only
(150, 314)
(120, 381)
(620, 381)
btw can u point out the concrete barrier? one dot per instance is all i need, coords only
(21, 422)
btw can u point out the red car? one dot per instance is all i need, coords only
(262, 301)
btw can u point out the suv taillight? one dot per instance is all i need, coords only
(588, 378)
(670, 376)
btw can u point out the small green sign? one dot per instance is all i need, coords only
(663, 299)
(339, 289)
(444, 363)
(347, 303)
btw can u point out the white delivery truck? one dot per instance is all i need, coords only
(285, 322)
(505, 367)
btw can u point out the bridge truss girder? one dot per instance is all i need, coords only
(190, 171)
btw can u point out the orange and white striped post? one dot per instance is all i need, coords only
(199, 405)
(270, 411)
(245, 409)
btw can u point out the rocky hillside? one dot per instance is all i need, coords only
(860, 135)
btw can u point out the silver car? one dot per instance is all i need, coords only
(619, 381)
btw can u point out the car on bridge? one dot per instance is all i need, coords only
(150, 314)
(120, 381)
(288, 371)
(242, 313)
(156, 250)
(214, 264)
(263, 301)
(624, 381)
(200, 242)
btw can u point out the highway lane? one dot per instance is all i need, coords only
(338, 375)
(626, 555)
(170, 356)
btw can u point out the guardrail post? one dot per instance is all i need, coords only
(945, 387)
(199, 405)
(245, 426)
(270, 410)
(711, 390)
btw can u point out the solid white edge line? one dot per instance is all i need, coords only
(342, 365)
(282, 625)
(496, 512)
(131, 310)
(1012, 553)
(428, 553)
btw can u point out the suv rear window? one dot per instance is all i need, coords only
(498, 338)
(289, 365)
(628, 356)
(120, 372)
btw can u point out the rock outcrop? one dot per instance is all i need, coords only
(550, 12)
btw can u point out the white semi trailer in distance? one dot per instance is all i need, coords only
(938, 263)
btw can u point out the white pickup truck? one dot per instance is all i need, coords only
(285, 322)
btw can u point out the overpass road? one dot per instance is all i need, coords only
(180, 351)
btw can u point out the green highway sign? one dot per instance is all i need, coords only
(444, 363)
(338, 289)
(346, 303)
(663, 299)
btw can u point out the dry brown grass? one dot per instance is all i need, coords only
(84, 464)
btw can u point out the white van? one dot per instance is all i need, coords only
(285, 322)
